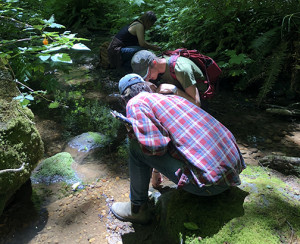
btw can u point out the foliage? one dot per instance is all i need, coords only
(249, 30)
(123, 152)
(95, 14)
(32, 47)
(272, 73)
(81, 115)
(78, 14)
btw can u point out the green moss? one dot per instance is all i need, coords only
(20, 143)
(260, 175)
(261, 210)
(57, 165)
(98, 138)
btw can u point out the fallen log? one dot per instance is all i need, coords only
(283, 164)
(290, 110)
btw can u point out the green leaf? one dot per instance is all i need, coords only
(53, 49)
(44, 57)
(80, 46)
(191, 226)
(137, 2)
(61, 57)
(69, 36)
(25, 102)
(54, 105)
(237, 59)
(49, 21)
(54, 25)
(38, 27)
(29, 97)
(20, 98)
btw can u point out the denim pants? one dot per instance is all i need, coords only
(140, 168)
(126, 55)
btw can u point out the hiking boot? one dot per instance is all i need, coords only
(126, 211)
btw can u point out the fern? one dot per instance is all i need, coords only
(276, 63)
(295, 86)
(261, 45)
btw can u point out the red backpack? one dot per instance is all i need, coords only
(207, 65)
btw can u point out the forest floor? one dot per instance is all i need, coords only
(84, 216)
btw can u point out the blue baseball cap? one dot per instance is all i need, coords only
(129, 80)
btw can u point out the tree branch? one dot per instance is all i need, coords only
(14, 20)
(13, 170)
(31, 122)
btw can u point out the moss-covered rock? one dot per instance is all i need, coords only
(54, 169)
(264, 209)
(21, 146)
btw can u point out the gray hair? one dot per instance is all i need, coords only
(134, 90)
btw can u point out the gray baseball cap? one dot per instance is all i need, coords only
(141, 61)
(129, 80)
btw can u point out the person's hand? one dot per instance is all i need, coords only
(156, 48)
(166, 89)
(152, 86)
(156, 179)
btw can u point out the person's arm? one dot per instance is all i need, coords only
(140, 33)
(185, 74)
(156, 179)
(191, 93)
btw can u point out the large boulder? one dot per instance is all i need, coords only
(21, 146)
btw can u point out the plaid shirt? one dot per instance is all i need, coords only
(171, 123)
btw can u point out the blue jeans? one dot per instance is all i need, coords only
(140, 166)
(126, 55)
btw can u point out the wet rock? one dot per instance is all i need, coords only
(276, 138)
(284, 164)
(253, 150)
(268, 141)
(88, 141)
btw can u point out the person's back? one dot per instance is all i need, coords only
(208, 146)
(126, 37)
(129, 40)
(186, 71)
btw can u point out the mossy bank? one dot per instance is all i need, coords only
(21, 145)
(264, 209)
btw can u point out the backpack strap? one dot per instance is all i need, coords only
(172, 63)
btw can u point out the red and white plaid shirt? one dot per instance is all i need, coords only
(171, 123)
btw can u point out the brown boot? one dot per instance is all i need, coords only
(126, 211)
